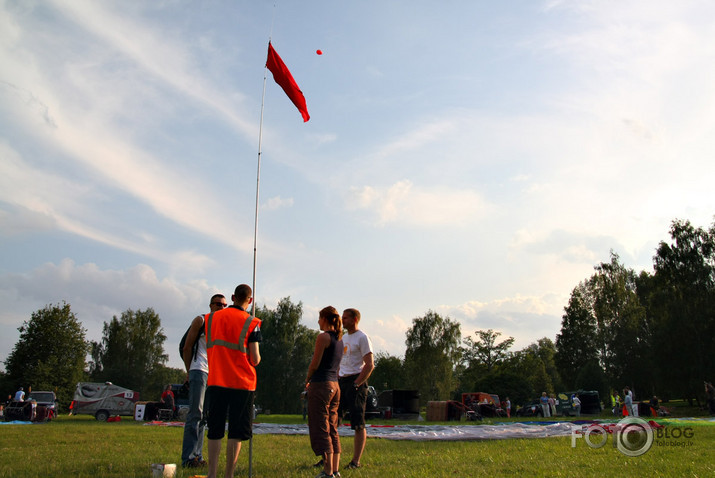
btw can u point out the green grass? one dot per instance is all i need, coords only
(82, 447)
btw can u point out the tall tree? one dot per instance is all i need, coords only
(432, 353)
(286, 351)
(683, 307)
(620, 318)
(389, 373)
(50, 354)
(544, 351)
(576, 344)
(485, 350)
(131, 353)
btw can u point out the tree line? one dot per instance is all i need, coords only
(654, 332)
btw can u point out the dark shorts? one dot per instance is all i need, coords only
(353, 400)
(237, 406)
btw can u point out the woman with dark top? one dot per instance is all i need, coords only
(324, 391)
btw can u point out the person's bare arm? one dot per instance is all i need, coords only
(254, 353)
(366, 369)
(191, 337)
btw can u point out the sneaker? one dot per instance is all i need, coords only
(319, 464)
(323, 474)
(352, 465)
(337, 475)
(195, 462)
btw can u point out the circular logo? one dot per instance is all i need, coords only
(633, 436)
(597, 432)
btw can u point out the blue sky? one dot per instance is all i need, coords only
(474, 158)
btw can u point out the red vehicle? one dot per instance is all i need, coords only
(484, 404)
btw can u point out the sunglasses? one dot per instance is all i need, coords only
(219, 303)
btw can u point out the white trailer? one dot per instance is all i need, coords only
(103, 400)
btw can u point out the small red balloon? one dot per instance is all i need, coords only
(319, 52)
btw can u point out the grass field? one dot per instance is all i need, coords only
(83, 447)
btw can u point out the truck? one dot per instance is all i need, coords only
(103, 400)
(590, 402)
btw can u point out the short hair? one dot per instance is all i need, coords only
(242, 293)
(331, 314)
(354, 313)
(216, 296)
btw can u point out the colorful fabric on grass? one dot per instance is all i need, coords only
(158, 423)
(436, 432)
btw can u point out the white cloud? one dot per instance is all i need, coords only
(387, 335)
(526, 318)
(160, 53)
(277, 202)
(404, 204)
(96, 295)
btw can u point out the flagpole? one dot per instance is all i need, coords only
(255, 239)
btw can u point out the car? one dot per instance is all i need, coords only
(47, 400)
(38, 406)
(530, 409)
(590, 402)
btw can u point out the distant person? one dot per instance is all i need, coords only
(324, 391)
(654, 406)
(634, 404)
(20, 395)
(232, 347)
(576, 404)
(304, 403)
(508, 407)
(710, 396)
(552, 405)
(197, 368)
(627, 402)
(545, 408)
(168, 400)
(356, 366)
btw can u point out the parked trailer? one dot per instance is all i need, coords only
(103, 400)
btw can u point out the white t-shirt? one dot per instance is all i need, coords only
(201, 361)
(355, 347)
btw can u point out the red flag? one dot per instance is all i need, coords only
(285, 80)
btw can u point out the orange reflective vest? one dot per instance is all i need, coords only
(227, 333)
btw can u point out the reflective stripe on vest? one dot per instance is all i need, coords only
(227, 349)
(230, 345)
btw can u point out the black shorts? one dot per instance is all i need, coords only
(353, 400)
(237, 405)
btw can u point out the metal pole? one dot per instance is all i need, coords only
(255, 242)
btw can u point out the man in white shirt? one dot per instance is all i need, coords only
(355, 368)
(197, 368)
(20, 395)
(634, 404)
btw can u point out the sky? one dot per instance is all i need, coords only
(473, 158)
